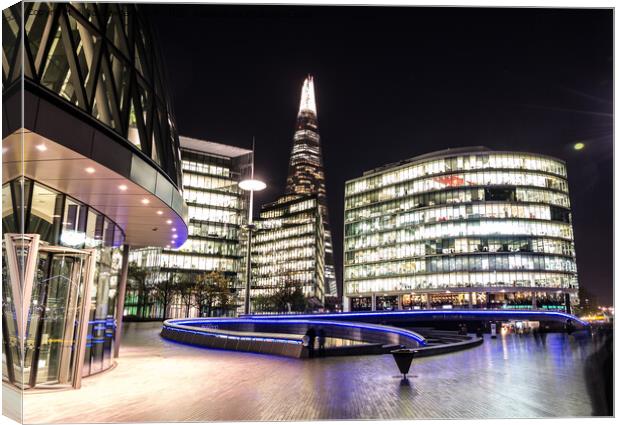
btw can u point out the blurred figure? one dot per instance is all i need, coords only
(599, 375)
(321, 337)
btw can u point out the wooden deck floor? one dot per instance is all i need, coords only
(158, 380)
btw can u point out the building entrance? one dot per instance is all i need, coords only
(45, 321)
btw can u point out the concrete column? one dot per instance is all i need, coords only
(428, 301)
(373, 304)
(534, 302)
(346, 304)
(400, 302)
(471, 300)
(120, 301)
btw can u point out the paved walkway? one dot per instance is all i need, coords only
(158, 380)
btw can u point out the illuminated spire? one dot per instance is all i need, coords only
(308, 102)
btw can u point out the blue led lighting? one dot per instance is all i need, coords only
(240, 338)
(514, 313)
(287, 319)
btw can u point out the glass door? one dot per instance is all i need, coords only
(55, 319)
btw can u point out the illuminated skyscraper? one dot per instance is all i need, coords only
(306, 175)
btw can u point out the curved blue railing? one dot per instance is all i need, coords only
(413, 313)
(201, 325)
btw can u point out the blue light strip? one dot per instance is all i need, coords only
(288, 320)
(233, 337)
(513, 313)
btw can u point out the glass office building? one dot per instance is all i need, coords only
(306, 175)
(216, 243)
(90, 168)
(288, 249)
(466, 227)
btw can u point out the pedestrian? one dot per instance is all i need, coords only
(321, 342)
(311, 333)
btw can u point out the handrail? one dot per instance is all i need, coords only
(413, 313)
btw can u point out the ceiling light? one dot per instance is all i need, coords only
(145, 201)
(160, 212)
(123, 187)
(175, 236)
(168, 221)
(89, 170)
(41, 147)
(174, 229)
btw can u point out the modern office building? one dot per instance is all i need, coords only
(466, 227)
(288, 250)
(91, 168)
(306, 175)
(216, 243)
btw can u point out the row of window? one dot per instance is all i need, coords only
(459, 246)
(215, 215)
(284, 233)
(197, 181)
(454, 164)
(174, 260)
(459, 196)
(212, 199)
(463, 280)
(283, 267)
(303, 278)
(490, 178)
(283, 245)
(210, 247)
(459, 212)
(308, 205)
(213, 230)
(461, 263)
(282, 255)
(484, 227)
(204, 168)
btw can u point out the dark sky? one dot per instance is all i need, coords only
(397, 82)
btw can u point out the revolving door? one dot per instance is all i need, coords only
(45, 300)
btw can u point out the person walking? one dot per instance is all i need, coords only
(321, 342)
(311, 333)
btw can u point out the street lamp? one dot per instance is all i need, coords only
(250, 185)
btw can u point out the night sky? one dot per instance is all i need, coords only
(393, 83)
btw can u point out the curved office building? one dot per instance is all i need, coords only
(460, 228)
(91, 166)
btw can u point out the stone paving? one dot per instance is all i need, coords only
(158, 380)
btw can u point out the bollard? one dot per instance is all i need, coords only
(403, 358)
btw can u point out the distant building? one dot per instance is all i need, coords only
(288, 249)
(306, 175)
(466, 227)
(217, 210)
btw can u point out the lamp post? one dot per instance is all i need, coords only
(250, 185)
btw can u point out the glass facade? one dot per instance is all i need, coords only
(217, 211)
(476, 226)
(306, 175)
(62, 221)
(100, 58)
(288, 249)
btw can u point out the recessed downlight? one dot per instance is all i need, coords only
(168, 221)
(145, 201)
(41, 147)
(89, 170)
(122, 187)
(160, 212)
(175, 236)
(174, 229)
